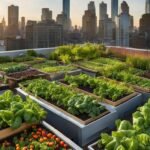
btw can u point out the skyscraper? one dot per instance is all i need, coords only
(147, 9)
(102, 11)
(91, 7)
(66, 8)
(124, 25)
(46, 14)
(22, 28)
(89, 23)
(114, 9)
(13, 17)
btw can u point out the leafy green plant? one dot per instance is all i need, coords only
(14, 111)
(140, 63)
(71, 53)
(135, 136)
(72, 101)
(100, 86)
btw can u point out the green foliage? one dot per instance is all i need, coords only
(32, 53)
(15, 68)
(4, 59)
(140, 63)
(14, 111)
(62, 96)
(129, 136)
(102, 87)
(71, 53)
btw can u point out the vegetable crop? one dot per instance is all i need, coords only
(100, 86)
(130, 136)
(14, 111)
(66, 98)
(36, 138)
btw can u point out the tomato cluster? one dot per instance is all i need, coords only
(37, 138)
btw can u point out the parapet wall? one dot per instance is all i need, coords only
(133, 52)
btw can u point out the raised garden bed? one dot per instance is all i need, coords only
(37, 137)
(83, 118)
(14, 78)
(127, 131)
(90, 85)
(82, 134)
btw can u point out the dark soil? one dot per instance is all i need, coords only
(147, 75)
(25, 74)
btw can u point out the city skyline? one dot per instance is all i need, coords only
(31, 9)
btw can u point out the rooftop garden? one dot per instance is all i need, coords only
(78, 88)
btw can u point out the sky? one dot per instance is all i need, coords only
(31, 9)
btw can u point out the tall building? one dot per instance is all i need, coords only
(106, 25)
(44, 34)
(46, 14)
(124, 26)
(91, 7)
(103, 11)
(66, 8)
(29, 33)
(114, 9)
(89, 23)
(22, 27)
(147, 9)
(13, 23)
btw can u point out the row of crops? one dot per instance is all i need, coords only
(76, 93)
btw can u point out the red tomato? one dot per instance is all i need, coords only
(49, 135)
(62, 143)
(57, 139)
(43, 133)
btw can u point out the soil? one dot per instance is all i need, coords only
(25, 74)
(147, 75)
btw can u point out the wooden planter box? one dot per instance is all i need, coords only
(122, 100)
(13, 82)
(5, 133)
(84, 122)
(140, 89)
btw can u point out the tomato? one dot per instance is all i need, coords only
(40, 129)
(49, 135)
(45, 138)
(44, 133)
(65, 145)
(57, 140)
(35, 136)
(38, 133)
(54, 137)
(62, 143)
(50, 144)
(41, 140)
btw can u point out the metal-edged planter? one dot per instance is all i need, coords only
(93, 146)
(125, 109)
(8, 132)
(81, 133)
